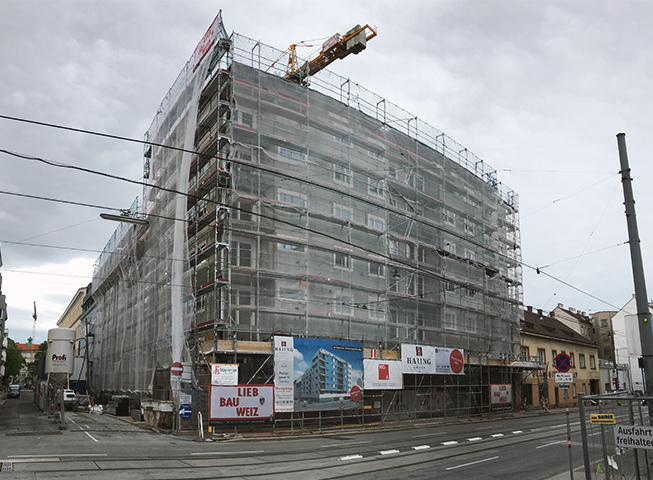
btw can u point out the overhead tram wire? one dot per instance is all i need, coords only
(268, 170)
(337, 191)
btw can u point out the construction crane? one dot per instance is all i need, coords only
(31, 339)
(336, 47)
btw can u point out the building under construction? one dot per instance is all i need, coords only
(283, 199)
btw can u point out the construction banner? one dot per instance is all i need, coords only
(417, 359)
(382, 375)
(224, 374)
(239, 404)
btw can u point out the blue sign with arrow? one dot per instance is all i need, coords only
(185, 411)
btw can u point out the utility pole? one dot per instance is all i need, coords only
(641, 297)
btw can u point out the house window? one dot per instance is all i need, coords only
(524, 353)
(470, 254)
(574, 392)
(392, 171)
(450, 247)
(290, 247)
(581, 360)
(293, 198)
(554, 353)
(470, 292)
(573, 362)
(448, 217)
(469, 227)
(200, 304)
(375, 187)
(584, 389)
(541, 356)
(376, 269)
(450, 320)
(341, 260)
(342, 211)
(375, 310)
(292, 154)
(241, 254)
(604, 322)
(342, 175)
(377, 223)
(449, 286)
(592, 361)
(247, 119)
(393, 247)
(243, 211)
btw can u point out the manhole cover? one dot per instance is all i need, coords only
(7, 467)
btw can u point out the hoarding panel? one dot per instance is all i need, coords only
(417, 358)
(229, 404)
(500, 394)
(449, 361)
(224, 374)
(382, 374)
(322, 373)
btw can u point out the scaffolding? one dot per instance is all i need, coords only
(319, 211)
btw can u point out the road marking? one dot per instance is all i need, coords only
(452, 442)
(474, 439)
(54, 455)
(472, 463)
(496, 435)
(27, 460)
(71, 420)
(228, 453)
(92, 437)
(388, 452)
(552, 443)
(422, 447)
(351, 457)
(518, 431)
(346, 443)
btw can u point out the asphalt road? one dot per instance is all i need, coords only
(520, 446)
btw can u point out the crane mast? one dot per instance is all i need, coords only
(336, 47)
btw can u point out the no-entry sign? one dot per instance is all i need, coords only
(176, 369)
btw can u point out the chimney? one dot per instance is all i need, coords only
(561, 305)
(539, 312)
(572, 309)
(529, 308)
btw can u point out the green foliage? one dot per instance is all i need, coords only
(15, 360)
(33, 367)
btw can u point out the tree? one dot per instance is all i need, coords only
(15, 361)
(33, 367)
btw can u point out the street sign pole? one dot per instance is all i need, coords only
(571, 463)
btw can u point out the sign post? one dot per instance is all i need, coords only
(562, 363)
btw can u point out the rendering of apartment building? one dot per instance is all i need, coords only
(328, 378)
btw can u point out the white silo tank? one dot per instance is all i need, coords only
(60, 357)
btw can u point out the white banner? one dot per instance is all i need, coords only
(283, 374)
(500, 394)
(224, 374)
(241, 403)
(417, 359)
(631, 436)
(382, 375)
(449, 361)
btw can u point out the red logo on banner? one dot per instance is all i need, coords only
(384, 371)
(355, 393)
(456, 361)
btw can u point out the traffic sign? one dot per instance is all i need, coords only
(176, 369)
(564, 377)
(563, 386)
(185, 411)
(603, 418)
(562, 362)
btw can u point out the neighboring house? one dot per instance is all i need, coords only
(578, 321)
(72, 314)
(27, 350)
(627, 344)
(544, 337)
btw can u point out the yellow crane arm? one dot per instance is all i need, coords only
(336, 47)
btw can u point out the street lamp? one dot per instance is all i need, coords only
(124, 217)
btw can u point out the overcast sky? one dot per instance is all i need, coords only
(537, 89)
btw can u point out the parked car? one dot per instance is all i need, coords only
(14, 391)
(69, 399)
